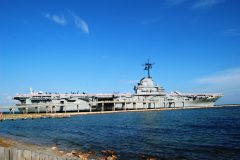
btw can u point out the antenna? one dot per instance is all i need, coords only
(148, 66)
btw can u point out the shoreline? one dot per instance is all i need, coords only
(69, 114)
(14, 149)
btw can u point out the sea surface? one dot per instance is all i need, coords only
(212, 133)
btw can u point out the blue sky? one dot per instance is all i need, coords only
(100, 46)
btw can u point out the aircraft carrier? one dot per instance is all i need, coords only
(148, 95)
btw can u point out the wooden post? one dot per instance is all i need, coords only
(77, 108)
(53, 157)
(2, 153)
(43, 156)
(6, 153)
(16, 154)
(12, 153)
(35, 156)
(26, 155)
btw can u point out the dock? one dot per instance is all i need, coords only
(12, 115)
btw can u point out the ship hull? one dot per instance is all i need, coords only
(118, 104)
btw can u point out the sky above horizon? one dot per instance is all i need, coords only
(100, 46)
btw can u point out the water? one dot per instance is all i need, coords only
(212, 133)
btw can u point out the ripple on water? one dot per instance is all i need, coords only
(177, 134)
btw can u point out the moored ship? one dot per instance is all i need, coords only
(148, 95)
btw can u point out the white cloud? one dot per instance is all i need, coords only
(232, 32)
(228, 76)
(227, 82)
(71, 18)
(196, 4)
(202, 4)
(59, 19)
(79, 22)
(6, 100)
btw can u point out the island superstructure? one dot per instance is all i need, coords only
(148, 95)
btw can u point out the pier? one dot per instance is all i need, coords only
(104, 107)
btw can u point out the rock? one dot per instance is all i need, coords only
(83, 156)
(114, 157)
(151, 158)
(61, 152)
(54, 148)
(69, 154)
(74, 152)
(108, 152)
(110, 158)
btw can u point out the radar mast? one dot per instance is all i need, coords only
(148, 66)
